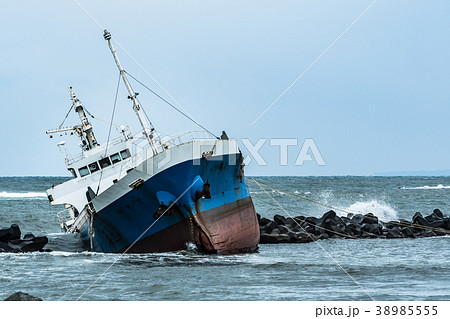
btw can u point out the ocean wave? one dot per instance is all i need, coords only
(440, 186)
(265, 192)
(23, 195)
(379, 209)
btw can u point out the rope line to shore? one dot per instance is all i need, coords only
(350, 211)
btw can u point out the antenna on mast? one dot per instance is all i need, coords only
(147, 128)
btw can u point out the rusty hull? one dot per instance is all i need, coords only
(231, 228)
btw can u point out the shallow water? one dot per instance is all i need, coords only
(398, 269)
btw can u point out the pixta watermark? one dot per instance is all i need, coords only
(261, 152)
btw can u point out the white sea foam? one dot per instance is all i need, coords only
(22, 195)
(381, 210)
(270, 191)
(440, 186)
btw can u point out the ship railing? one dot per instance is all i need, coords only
(63, 217)
(185, 137)
(163, 141)
(73, 159)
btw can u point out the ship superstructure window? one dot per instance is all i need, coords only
(105, 162)
(93, 167)
(74, 174)
(83, 171)
(125, 153)
(115, 158)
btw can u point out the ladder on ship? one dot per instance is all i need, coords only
(81, 220)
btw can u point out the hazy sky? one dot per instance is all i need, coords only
(378, 101)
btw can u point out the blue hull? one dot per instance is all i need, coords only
(225, 222)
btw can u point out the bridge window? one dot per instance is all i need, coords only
(83, 171)
(115, 158)
(125, 153)
(93, 167)
(105, 162)
(74, 174)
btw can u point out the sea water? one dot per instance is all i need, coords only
(333, 269)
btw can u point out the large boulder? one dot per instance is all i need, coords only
(437, 223)
(270, 226)
(15, 232)
(300, 219)
(275, 237)
(7, 234)
(353, 230)
(20, 296)
(375, 229)
(408, 232)
(302, 237)
(294, 222)
(394, 233)
(370, 219)
(436, 219)
(312, 220)
(283, 229)
(357, 219)
(335, 227)
(437, 214)
(428, 233)
(446, 224)
(28, 244)
(5, 248)
(418, 219)
(392, 224)
(10, 241)
(323, 236)
(331, 214)
(345, 219)
(280, 220)
(264, 221)
(309, 229)
(365, 234)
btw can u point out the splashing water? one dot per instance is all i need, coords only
(22, 195)
(382, 210)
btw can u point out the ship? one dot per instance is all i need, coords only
(143, 193)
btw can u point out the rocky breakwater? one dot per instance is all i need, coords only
(10, 241)
(301, 229)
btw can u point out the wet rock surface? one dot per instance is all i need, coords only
(301, 229)
(21, 296)
(10, 241)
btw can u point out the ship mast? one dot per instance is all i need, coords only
(84, 131)
(87, 127)
(147, 128)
